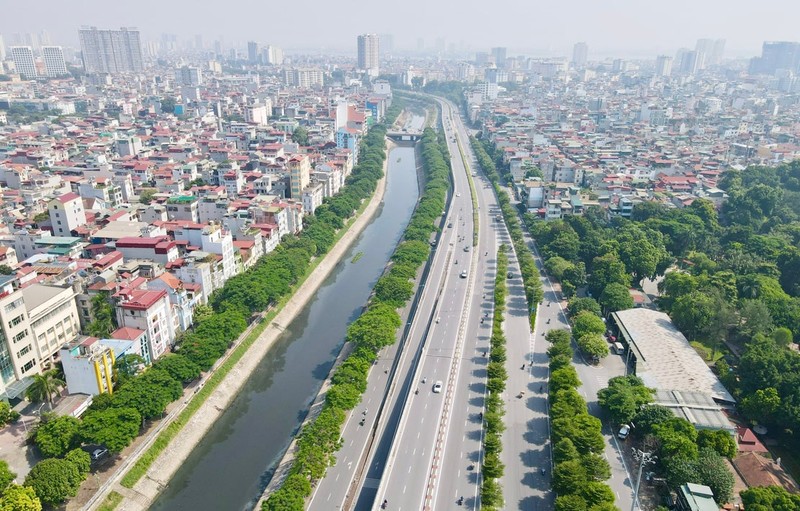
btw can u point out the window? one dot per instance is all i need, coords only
(21, 335)
(27, 367)
(16, 321)
(24, 351)
(13, 305)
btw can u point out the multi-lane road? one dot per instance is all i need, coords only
(411, 445)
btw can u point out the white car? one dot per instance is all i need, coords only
(437, 387)
(458, 194)
(623, 432)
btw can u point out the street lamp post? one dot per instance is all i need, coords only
(644, 458)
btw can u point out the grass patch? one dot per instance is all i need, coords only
(706, 352)
(142, 465)
(357, 257)
(111, 501)
(472, 192)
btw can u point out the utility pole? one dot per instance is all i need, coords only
(644, 458)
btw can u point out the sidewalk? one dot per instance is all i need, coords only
(147, 489)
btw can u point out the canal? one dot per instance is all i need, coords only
(232, 465)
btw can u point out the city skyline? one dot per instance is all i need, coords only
(629, 29)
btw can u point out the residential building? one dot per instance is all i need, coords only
(663, 65)
(151, 312)
(111, 51)
(775, 55)
(299, 174)
(34, 323)
(54, 63)
(17, 351)
(53, 317)
(66, 214)
(88, 366)
(23, 61)
(191, 76)
(183, 207)
(312, 197)
(183, 301)
(211, 239)
(580, 55)
(369, 54)
(160, 249)
(499, 54)
(252, 52)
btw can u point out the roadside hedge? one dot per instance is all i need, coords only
(527, 265)
(375, 329)
(493, 468)
(580, 468)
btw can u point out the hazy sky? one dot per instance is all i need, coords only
(610, 27)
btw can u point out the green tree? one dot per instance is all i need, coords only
(104, 320)
(721, 441)
(569, 477)
(578, 305)
(761, 405)
(648, 416)
(624, 397)
(300, 136)
(770, 498)
(714, 473)
(178, 367)
(81, 460)
(6, 475)
(6, 269)
(57, 436)
(754, 318)
(570, 502)
(615, 297)
(7, 414)
(693, 313)
(394, 290)
(53, 480)
(20, 498)
(146, 195)
(587, 323)
(115, 428)
(593, 345)
(564, 450)
(44, 387)
(607, 269)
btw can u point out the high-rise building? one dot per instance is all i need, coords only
(387, 42)
(191, 76)
(54, 64)
(2, 48)
(252, 52)
(111, 51)
(272, 55)
(691, 62)
(663, 65)
(580, 55)
(23, 61)
(776, 55)
(718, 51)
(500, 54)
(369, 53)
